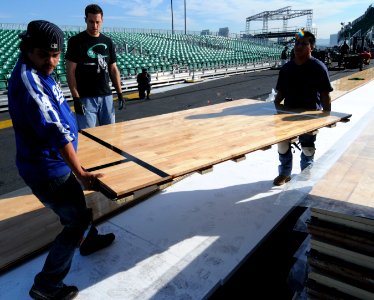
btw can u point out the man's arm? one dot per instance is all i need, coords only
(72, 82)
(88, 179)
(278, 99)
(116, 81)
(326, 101)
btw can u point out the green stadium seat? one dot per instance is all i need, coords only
(62, 77)
(124, 71)
(130, 70)
(158, 51)
(60, 72)
(3, 85)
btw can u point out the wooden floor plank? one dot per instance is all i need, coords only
(350, 180)
(95, 154)
(344, 254)
(184, 142)
(26, 226)
(341, 286)
(346, 84)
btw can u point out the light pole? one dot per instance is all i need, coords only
(349, 27)
(185, 18)
(343, 31)
(344, 28)
(172, 17)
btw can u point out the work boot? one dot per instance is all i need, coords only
(94, 242)
(65, 293)
(281, 179)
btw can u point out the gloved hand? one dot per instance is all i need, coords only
(121, 102)
(78, 106)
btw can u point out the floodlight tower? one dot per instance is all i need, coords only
(172, 17)
(185, 18)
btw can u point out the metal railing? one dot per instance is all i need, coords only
(169, 78)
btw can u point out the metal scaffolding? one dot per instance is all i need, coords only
(284, 14)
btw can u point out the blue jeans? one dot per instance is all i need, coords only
(285, 167)
(64, 195)
(99, 111)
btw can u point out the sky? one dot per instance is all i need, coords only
(200, 14)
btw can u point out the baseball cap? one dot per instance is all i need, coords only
(43, 34)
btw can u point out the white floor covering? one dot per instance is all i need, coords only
(185, 241)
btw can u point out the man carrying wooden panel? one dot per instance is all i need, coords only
(47, 139)
(302, 83)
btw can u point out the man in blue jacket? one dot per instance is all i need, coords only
(46, 140)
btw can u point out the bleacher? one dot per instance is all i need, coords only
(359, 27)
(158, 52)
(9, 52)
(165, 52)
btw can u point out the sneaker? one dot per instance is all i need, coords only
(148, 98)
(281, 179)
(94, 242)
(65, 293)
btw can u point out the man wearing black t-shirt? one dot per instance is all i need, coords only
(302, 83)
(91, 63)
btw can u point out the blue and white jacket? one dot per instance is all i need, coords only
(42, 121)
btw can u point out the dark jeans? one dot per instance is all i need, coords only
(285, 167)
(142, 91)
(64, 195)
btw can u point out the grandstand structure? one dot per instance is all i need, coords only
(156, 51)
(361, 29)
(165, 51)
(283, 14)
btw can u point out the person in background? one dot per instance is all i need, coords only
(91, 62)
(344, 51)
(365, 56)
(284, 55)
(302, 83)
(144, 84)
(46, 141)
(292, 54)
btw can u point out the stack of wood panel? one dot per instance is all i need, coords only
(341, 256)
(341, 224)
